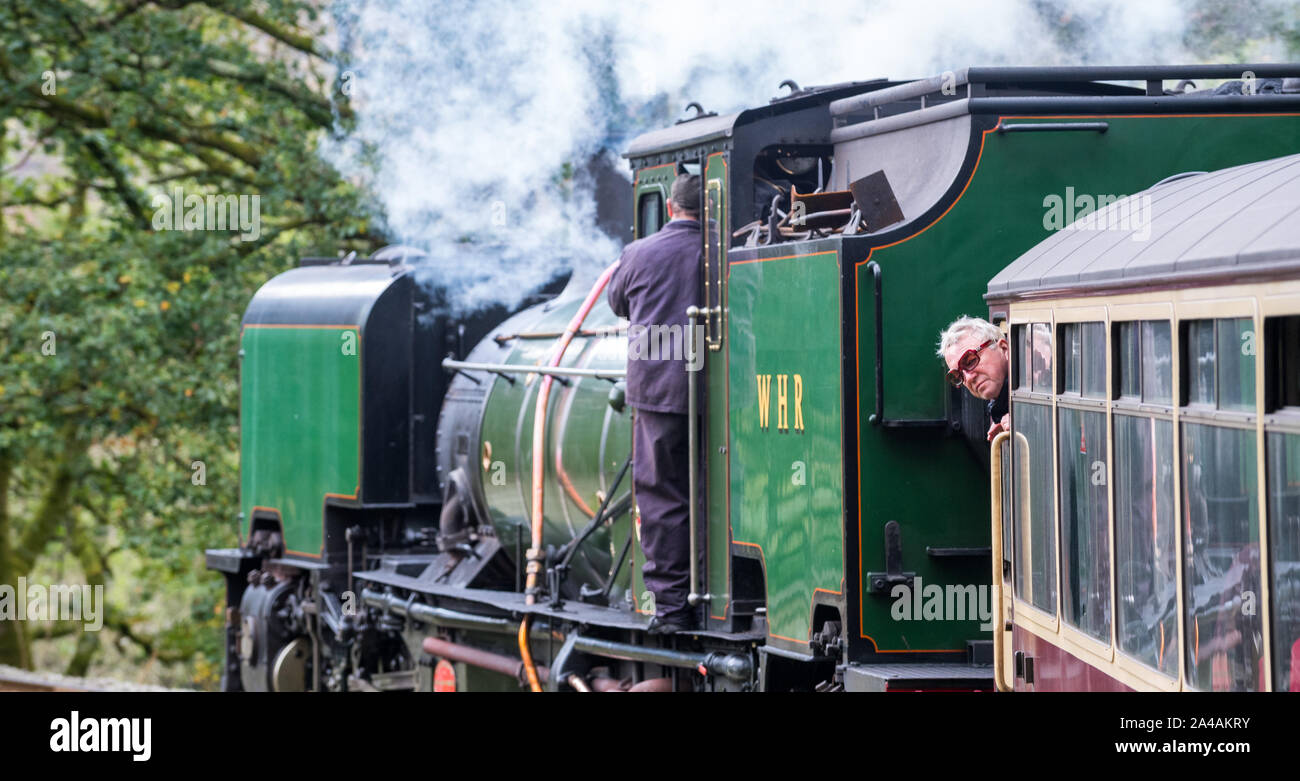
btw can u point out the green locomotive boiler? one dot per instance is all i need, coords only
(390, 445)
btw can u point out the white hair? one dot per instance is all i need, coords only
(961, 328)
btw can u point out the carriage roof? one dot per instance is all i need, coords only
(1237, 222)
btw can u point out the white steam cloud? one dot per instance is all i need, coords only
(473, 116)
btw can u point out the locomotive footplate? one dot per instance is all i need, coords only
(937, 676)
(513, 603)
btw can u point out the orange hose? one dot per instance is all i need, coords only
(529, 666)
(534, 567)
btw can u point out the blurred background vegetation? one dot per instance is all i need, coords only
(118, 365)
(104, 105)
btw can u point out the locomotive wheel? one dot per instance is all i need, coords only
(289, 673)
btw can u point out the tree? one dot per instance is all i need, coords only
(118, 327)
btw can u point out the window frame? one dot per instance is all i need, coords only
(1137, 407)
(659, 192)
(1022, 323)
(1217, 306)
(1274, 419)
(1064, 315)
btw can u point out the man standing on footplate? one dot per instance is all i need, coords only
(657, 280)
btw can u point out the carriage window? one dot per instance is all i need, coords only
(1020, 338)
(1284, 541)
(1237, 364)
(1282, 369)
(1083, 359)
(1157, 362)
(1041, 357)
(1129, 378)
(1145, 575)
(1145, 361)
(651, 212)
(1035, 566)
(1085, 521)
(1094, 360)
(1033, 359)
(1199, 363)
(1222, 625)
(1220, 363)
(1071, 348)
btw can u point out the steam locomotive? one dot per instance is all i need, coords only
(438, 500)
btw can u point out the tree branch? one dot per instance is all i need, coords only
(91, 116)
(293, 38)
(314, 106)
(130, 197)
(53, 507)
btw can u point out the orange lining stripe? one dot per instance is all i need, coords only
(653, 167)
(763, 557)
(784, 257)
(279, 517)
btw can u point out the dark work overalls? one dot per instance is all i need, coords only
(658, 278)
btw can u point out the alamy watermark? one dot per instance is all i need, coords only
(667, 342)
(56, 602)
(918, 602)
(212, 212)
(97, 734)
(1103, 212)
(654, 343)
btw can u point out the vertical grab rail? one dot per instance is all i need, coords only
(999, 619)
(693, 314)
(715, 267)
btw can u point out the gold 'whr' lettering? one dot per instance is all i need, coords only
(764, 398)
(782, 421)
(798, 402)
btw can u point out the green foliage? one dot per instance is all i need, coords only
(118, 342)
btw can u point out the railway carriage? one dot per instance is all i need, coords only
(1147, 501)
(398, 457)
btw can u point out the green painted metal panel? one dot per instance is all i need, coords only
(587, 442)
(786, 424)
(299, 425)
(715, 439)
(933, 488)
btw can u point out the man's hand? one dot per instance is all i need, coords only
(1001, 425)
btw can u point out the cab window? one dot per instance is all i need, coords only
(650, 214)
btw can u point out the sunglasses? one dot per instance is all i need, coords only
(968, 361)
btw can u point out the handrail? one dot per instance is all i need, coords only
(549, 371)
(692, 446)
(999, 621)
(1052, 127)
